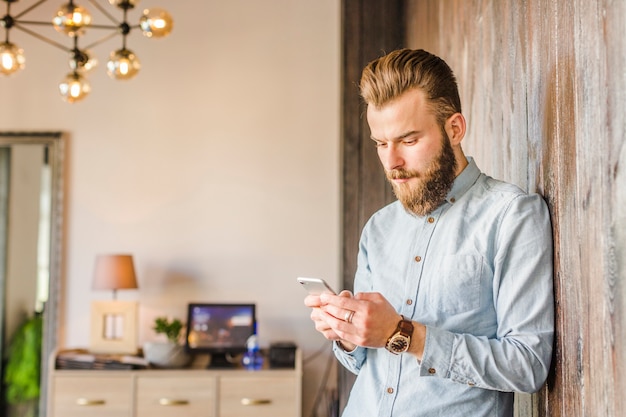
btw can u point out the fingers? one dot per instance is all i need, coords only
(340, 300)
(312, 301)
(320, 319)
(324, 322)
(317, 301)
(340, 306)
(329, 322)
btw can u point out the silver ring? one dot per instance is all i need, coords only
(348, 316)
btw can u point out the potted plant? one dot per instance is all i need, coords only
(171, 329)
(169, 353)
(23, 371)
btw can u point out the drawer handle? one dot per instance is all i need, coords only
(253, 401)
(88, 402)
(167, 401)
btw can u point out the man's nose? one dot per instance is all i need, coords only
(393, 157)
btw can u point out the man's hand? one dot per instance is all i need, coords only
(371, 324)
(366, 319)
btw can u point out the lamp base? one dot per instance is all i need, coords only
(114, 327)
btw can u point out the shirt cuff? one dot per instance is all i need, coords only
(437, 353)
(338, 346)
(351, 360)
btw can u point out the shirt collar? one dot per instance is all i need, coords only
(463, 181)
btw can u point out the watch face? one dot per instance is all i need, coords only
(399, 343)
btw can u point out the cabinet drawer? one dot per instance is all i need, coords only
(161, 396)
(102, 396)
(258, 396)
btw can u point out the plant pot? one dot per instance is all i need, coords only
(166, 355)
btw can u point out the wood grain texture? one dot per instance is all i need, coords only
(370, 29)
(542, 85)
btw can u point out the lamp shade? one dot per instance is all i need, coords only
(114, 272)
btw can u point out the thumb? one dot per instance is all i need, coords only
(346, 293)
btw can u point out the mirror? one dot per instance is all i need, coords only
(31, 240)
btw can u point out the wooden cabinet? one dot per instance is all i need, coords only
(184, 392)
(258, 396)
(106, 395)
(161, 395)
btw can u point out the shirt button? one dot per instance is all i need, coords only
(453, 200)
(471, 384)
(431, 220)
(418, 258)
(389, 390)
(432, 371)
(409, 302)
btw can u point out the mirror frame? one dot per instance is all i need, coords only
(56, 142)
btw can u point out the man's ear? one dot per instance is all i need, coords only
(455, 128)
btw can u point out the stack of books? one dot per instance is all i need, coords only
(82, 359)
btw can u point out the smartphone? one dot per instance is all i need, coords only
(315, 286)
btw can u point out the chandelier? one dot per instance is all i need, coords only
(72, 21)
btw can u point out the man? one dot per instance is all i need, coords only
(453, 304)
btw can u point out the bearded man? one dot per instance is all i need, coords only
(453, 306)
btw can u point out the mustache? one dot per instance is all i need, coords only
(402, 174)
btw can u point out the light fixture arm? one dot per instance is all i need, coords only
(28, 9)
(49, 41)
(104, 11)
(7, 22)
(125, 30)
(102, 40)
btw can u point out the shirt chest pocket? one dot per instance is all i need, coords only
(454, 286)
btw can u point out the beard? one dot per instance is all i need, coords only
(423, 196)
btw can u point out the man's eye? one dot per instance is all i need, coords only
(380, 144)
(409, 141)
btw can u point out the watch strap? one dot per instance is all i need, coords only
(405, 327)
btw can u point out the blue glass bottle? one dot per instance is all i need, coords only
(253, 358)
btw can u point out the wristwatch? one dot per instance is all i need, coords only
(401, 339)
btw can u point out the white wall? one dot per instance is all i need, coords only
(217, 167)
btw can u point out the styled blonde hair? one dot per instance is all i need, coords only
(389, 76)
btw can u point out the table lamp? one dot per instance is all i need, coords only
(114, 272)
(114, 323)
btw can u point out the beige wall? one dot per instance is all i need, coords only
(217, 167)
(542, 85)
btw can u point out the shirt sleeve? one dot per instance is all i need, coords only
(353, 360)
(518, 358)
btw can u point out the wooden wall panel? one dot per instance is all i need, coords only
(370, 28)
(543, 87)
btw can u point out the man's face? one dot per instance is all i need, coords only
(414, 150)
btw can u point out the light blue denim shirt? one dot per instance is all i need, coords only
(478, 273)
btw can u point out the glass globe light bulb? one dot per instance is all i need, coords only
(74, 87)
(123, 64)
(124, 4)
(11, 58)
(71, 20)
(82, 60)
(156, 22)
